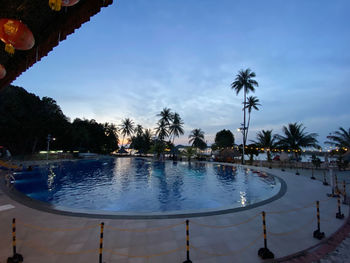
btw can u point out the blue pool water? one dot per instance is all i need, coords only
(141, 185)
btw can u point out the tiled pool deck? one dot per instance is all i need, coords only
(47, 237)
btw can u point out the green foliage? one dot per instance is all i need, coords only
(26, 120)
(265, 139)
(197, 139)
(340, 138)
(223, 139)
(142, 141)
(295, 137)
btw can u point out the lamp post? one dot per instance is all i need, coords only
(243, 129)
(49, 138)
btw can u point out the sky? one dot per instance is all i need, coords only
(136, 57)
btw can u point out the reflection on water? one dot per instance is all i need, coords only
(142, 185)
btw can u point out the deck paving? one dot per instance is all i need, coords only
(47, 237)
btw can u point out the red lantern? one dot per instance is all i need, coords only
(2, 72)
(56, 4)
(69, 2)
(15, 35)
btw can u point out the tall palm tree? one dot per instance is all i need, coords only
(252, 103)
(296, 138)
(265, 139)
(340, 138)
(162, 129)
(197, 139)
(127, 128)
(244, 80)
(176, 126)
(166, 115)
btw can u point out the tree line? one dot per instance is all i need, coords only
(26, 121)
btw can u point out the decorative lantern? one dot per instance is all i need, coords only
(2, 72)
(15, 35)
(56, 4)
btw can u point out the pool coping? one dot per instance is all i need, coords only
(45, 207)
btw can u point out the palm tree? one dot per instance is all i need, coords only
(340, 138)
(162, 129)
(265, 139)
(252, 103)
(166, 116)
(197, 139)
(139, 130)
(296, 138)
(126, 128)
(176, 127)
(244, 80)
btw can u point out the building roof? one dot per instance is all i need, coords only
(48, 27)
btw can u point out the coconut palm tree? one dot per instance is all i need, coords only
(252, 103)
(296, 138)
(139, 130)
(126, 128)
(166, 116)
(197, 139)
(265, 139)
(162, 129)
(176, 126)
(340, 138)
(244, 80)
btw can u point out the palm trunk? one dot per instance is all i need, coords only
(123, 140)
(244, 117)
(246, 135)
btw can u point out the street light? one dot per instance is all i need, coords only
(49, 138)
(242, 129)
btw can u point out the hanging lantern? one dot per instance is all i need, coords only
(15, 35)
(57, 4)
(2, 72)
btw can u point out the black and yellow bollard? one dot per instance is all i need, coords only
(337, 192)
(187, 243)
(16, 258)
(344, 193)
(339, 215)
(264, 252)
(312, 174)
(101, 242)
(317, 233)
(324, 178)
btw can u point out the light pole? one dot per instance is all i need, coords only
(49, 138)
(243, 129)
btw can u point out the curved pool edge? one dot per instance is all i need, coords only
(45, 207)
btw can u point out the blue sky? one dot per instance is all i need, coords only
(138, 56)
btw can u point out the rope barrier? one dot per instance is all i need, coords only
(227, 226)
(297, 209)
(48, 229)
(35, 245)
(112, 251)
(292, 231)
(144, 229)
(229, 253)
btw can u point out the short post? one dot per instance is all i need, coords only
(101, 242)
(264, 252)
(312, 174)
(344, 194)
(336, 185)
(339, 215)
(16, 257)
(317, 233)
(324, 178)
(187, 243)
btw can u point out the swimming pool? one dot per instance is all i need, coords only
(139, 185)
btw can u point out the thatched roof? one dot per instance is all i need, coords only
(48, 27)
